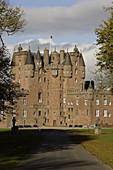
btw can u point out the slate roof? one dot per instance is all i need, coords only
(67, 60)
(38, 56)
(29, 59)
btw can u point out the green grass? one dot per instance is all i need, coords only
(13, 147)
(99, 145)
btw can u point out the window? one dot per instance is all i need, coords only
(19, 62)
(76, 113)
(60, 113)
(76, 71)
(97, 101)
(24, 101)
(68, 116)
(45, 114)
(39, 71)
(85, 102)
(105, 102)
(19, 71)
(109, 114)
(28, 71)
(72, 103)
(24, 113)
(60, 85)
(19, 80)
(64, 100)
(68, 103)
(77, 102)
(39, 113)
(87, 113)
(39, 79)
(2, 113)
(105, 113)
(97, 113)
(75, 63)
(68, 109)
(71, 109)
(39, 97)
(44, 79)
(109, 103)
(13, 114)
(75, 80)
(60, 77)
(34, 114)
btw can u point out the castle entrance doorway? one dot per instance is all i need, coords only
(54, 123)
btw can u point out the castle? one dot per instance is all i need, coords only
(56, 93)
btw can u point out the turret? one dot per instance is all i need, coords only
(61, 56)
(67, 68)
(46, 57)
(29, 65)
(55, 59)
(39, 59)
(91, 90)
(82, 66)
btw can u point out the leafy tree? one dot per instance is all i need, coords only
(11, 21)
(105, 41)
(105, 55)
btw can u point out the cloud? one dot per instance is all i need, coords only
(88, 51)
(81, 18)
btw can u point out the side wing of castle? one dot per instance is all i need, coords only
(57, 94)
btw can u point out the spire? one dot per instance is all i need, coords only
(38, 56)
(67, 60)
(29, 59)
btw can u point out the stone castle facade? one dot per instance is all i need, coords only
(56, 93)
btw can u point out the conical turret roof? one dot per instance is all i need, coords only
(38, 56)
(67, 60)
(29, 59)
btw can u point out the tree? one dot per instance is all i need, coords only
(11, 21)
(105, 55)
(105, 41)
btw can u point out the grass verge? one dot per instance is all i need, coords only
(99, 145)
(13, 147)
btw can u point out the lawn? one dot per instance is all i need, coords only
(100, 145)
(13, 147)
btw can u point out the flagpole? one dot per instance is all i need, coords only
(51, 43)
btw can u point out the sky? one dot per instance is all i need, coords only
(66, 20)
